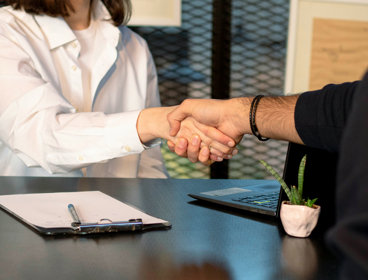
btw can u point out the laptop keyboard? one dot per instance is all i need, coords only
(269, 200)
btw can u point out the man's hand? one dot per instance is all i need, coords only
(228, 116)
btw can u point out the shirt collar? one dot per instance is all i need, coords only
(55, 30)
(58, 32)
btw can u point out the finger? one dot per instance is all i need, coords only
(171, 146)
(181, 147)
(212, 137)
(230, 156)
(218, 148)
(218, 153)
(193, 148)
(216, 135)
(174, 127)
(214, 151)
(216, 158)
(204, 155)
(176, 116)
(189, 126)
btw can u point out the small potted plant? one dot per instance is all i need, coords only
(298, 216)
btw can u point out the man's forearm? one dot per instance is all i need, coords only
(275, 118)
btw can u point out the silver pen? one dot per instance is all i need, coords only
(73, 213)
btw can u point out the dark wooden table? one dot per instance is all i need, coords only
(205, 242)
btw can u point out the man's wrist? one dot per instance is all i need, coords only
(252, 118)
(240, 112)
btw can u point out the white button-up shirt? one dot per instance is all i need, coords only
(42, 130)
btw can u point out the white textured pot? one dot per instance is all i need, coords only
(299, 220)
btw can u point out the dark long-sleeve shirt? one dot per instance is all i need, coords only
(321, 115)
(335, 118)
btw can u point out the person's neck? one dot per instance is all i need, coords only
(80, 18)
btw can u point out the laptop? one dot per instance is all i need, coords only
(260, 196)
(265, 196)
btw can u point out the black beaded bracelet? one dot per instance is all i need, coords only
(252, 118)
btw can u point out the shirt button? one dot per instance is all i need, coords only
(74, 67)
(127, 148)
(74, 45)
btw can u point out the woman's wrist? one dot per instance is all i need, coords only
(152, 123)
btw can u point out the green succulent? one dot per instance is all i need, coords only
(294, 194)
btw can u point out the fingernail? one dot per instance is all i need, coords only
(181, 143)
(235, 152)
(231, 144)
(205, 152)
(195, 140)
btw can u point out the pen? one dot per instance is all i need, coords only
(73, 212)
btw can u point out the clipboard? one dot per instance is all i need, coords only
(49, 214)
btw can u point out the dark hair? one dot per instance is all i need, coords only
(120, 10)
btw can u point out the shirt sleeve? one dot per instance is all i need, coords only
(320, 115)
(42, 128)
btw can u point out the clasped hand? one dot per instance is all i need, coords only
(214, 133)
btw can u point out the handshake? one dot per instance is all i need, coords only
(208, 130)
(218, 127)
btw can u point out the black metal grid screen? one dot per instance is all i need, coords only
(183, 57)
(258, 51)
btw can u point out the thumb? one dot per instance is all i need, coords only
(175, 117)
(174, 127)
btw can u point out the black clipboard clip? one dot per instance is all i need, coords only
(104, 225)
